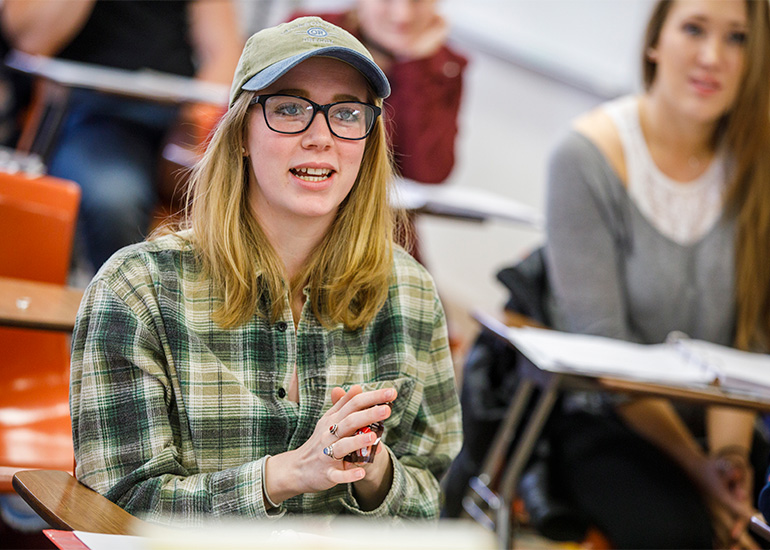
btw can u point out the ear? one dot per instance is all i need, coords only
(244, 151)
(652, 54)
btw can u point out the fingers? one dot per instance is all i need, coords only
(731, 529)
(366, 417)
(355, 400)
(348, 474)
(337, 394)
(345, 397)
(724, 528)
(364, 400)
(342, 432)
(742, 540)
(343, 447)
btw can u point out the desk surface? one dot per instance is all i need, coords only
(151, 85)
(466, 203)
(704, 395)
(30, 304)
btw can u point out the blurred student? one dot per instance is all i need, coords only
(659, 221)
(110, 145)
(261, 342)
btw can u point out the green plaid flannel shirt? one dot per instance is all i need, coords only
(172, 415)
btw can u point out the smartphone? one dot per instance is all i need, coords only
(759, 527)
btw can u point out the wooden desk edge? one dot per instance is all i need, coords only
(702, 395)
(65, 503)
(64, 299)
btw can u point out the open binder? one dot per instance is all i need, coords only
(679, 361)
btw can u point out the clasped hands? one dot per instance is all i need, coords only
(310, 469)
(730, 493)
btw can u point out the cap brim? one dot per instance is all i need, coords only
(363, 64)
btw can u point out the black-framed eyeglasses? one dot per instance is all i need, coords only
(291, 114)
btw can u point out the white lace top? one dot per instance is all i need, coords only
(683, 212)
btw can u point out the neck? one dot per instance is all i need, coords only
(667, 129)
(294, 246)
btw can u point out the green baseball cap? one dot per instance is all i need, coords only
(271, 52)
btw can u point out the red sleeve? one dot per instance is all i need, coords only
(422, 113)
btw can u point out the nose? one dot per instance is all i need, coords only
(711, 51)
(318, 134)
(401, 11)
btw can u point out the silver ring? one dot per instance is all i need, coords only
(329, 451)
(333, 430)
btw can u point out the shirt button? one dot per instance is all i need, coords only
(281, 326)
(281, 391)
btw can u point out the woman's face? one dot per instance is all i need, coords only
(700, 57)
(395, 24)
(303, 178)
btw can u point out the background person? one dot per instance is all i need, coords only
(658, 212)
(111, 145)
(257, 341)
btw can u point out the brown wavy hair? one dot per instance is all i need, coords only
(745, 131)
(349, 273)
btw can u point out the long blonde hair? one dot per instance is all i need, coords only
(745, 131)
(348, 275)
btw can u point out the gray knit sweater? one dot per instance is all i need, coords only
(613, 274)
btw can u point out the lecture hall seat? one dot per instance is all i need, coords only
(37, 228)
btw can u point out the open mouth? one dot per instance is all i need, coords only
(312, 174)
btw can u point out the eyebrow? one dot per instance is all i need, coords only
(304, 93)
(735, 24)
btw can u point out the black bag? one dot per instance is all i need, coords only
(490, 379)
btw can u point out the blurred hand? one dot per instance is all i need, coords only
(736, 474)
(726, 483)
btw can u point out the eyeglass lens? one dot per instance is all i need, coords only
(291, 115)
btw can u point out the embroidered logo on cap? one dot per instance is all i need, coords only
(317, 32)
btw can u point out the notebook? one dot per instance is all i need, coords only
(679, 361)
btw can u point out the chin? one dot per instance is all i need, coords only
(312, 212)
(706, 111)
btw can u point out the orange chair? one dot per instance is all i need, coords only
(37, 228)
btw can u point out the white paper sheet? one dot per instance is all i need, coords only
(100, 541)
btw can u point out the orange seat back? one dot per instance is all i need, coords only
(37, 227)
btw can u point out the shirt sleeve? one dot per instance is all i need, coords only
(125, 422)
(422, 114)
(585, 241)
(422, 457)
